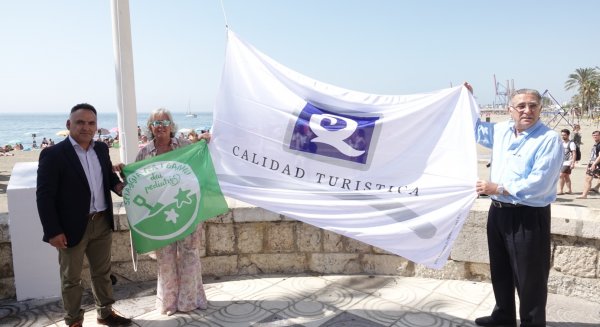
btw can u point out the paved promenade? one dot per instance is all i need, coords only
(302, 300)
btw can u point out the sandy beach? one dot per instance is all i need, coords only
(578, 176)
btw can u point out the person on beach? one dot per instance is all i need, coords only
(74, 180)
(193, 137)
(527, 157)
(568, 163)
(179, 285)
(593, 168)
(5, 151)
(577, 135)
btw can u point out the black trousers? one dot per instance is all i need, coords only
(519, 248)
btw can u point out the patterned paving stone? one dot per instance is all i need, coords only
(276, 321)
(346, 319)
(378, 310)
(424, 319)
(308, 301)
(239, 314)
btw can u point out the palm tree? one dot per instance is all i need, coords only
(594, 93)
(586, 80)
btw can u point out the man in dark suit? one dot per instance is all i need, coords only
(74, 181)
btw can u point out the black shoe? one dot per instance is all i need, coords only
(114, 320)
(490, 322)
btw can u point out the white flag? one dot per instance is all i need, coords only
(394, 171)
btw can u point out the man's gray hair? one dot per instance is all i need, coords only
(528, 91)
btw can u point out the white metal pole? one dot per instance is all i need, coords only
(127, 115)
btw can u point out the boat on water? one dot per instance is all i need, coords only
(189, 112)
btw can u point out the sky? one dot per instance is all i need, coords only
(55, 54)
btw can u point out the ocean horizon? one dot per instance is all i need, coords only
(20, 126)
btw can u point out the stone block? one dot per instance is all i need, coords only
(6, 260)
(478, 215)
(120, 217)
(146, 270)
(576, 221)
(309, 238)
(286, 218)
(471, 245)
(598, 266)
(584, 288)
(4, 230)
(280, 237)
(220, 239)
(377, 250)
(384, 264)
(121, 246)
(246, 266)
(250, 237)
(354, 246)
(226, 265)
(332, 242)
(202, 244)
(479, 272)
(451, 270)
(580, 261)
(254, 214)
(335, 263)
(283, 263)
(7, 288)
(226, 218)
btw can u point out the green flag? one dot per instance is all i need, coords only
(167, 196)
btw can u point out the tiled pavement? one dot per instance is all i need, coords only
(303, 300)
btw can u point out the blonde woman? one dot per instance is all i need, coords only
(179, 285)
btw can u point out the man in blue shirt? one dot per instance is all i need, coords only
(526, 160)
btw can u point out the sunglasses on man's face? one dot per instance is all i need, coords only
(157, 123)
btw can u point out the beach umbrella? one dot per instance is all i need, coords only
(103, 131)
(64, 132)
(114, 130)
(184, 130)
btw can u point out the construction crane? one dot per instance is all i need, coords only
(503, 93)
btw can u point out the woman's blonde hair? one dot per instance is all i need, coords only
(157, 112)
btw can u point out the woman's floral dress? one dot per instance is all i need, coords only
(179, 286)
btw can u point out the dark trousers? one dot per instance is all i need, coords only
(96, 246)
(519, 248)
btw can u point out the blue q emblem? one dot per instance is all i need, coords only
(332, 134)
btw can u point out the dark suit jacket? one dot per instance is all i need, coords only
(63, 194)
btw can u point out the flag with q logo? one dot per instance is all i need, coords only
(167, 196)
(394, 171)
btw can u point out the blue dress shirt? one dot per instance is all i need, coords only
(93, 173)
(526, 164)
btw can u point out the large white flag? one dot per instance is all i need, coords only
(394, 171)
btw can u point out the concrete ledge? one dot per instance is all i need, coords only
(250, 240)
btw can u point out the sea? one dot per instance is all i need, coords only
(24, 128)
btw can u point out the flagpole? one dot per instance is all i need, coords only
(127, 114)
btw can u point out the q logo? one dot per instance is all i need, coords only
(335, 135)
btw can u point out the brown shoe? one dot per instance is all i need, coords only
(114, 320)
(77, 324)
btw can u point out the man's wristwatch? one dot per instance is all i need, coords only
(500, 189)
